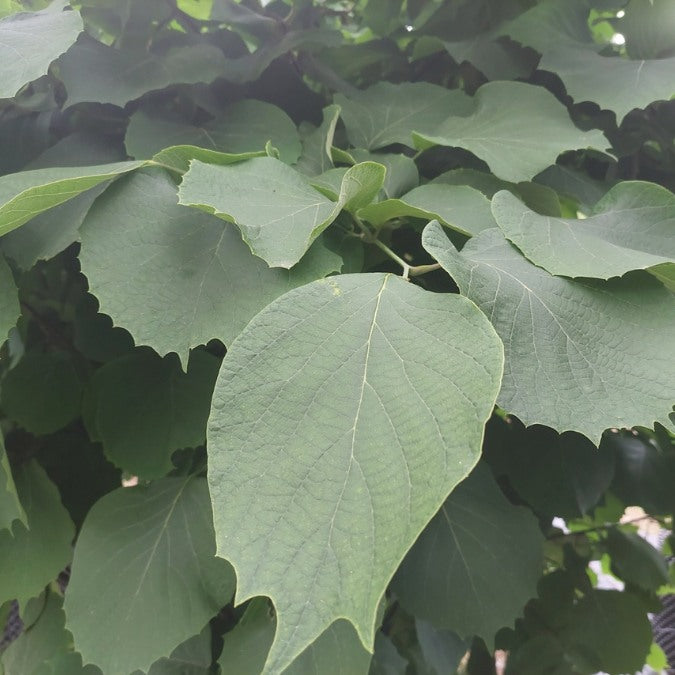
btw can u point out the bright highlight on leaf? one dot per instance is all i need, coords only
(343, 415)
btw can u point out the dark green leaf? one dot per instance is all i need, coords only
(9, 300)
(316, 145)
(635, 560)
(10, 504)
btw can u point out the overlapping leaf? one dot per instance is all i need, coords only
(330, 434)
(476, 564)
(243, 126)
(631, 228)
(145, 574)
(278, 212)
(186, 277)
(10, 504)
(9, 300)
(25, 54)
(579, 355)
(32, 555)
(518, 129)
(389, 113)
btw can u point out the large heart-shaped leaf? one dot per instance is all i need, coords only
(25, 54)
(343, 415)
(631, 228)
(145, 574)
(185, 277)
(477, 562)
(278, 212)
(518, 129)
(580, 356)
(388, 113)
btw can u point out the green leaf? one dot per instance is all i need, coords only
(215, 284)
(386, 659)
(178, 157)
(145, 408)
(635, 560)
(338, 392)
(460, 207)
(518, 129)
(278, 212)
(561, 475)
(337, 650)
(144, 574)
(316, 145)
(43, 392)
(476, 564)
(94, 72)
(579, 356)
(32, 556)
(631, 228)
(588, 76)
(608, 631)
(442, 650)
(192, 657)
(45, 649)
(9, 300)
(10, 504)
(575, 184)
(647, 26)
(388, 113)
(26, 194)
(243, 127)
(25, 54)
(402, 175)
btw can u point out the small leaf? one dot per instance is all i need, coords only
(518, 129)
(43, 392)
(460, 207)
(316, 146)
(145, 574)
(145, 407)
(9, 300)
(25, 54)
(402, 175)
(10, 504)
(26, 194)
(186, 277)
(278, 212)
(94, 72)
(242, 127)
(630, 228)
(635, 560)
(388, 113)
(338, 392)
(579, 356)
(476, 564)
(32, 556)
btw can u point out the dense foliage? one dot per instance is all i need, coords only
(361, 308)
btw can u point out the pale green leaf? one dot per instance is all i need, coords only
(144, 574)
(186, 277)
(178, 157)
(9, 300)
(476, 564)
(337, 650)
(579, 355)
(42, 392)
(631, 228)
(388, 113)
(665, 274)
(518, 129)
(460, 207)
(402, 175)
(145, 407)
(242, 127)
(10, 505)
(25, 54)
(316, 145)
(278, 212)
(330, 436)
(26, 194)
(614, 83)
(33, 556)
(94, 72)
(647, 26)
